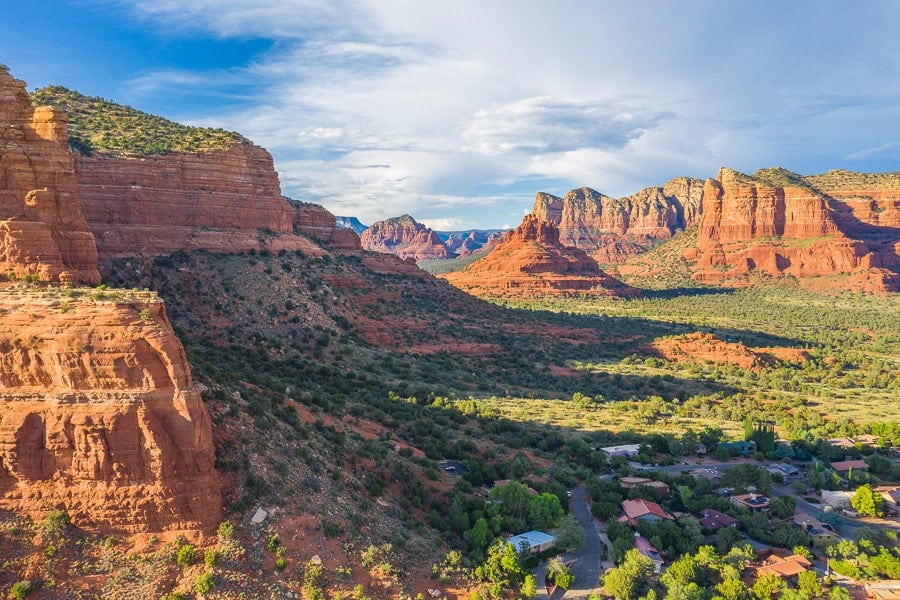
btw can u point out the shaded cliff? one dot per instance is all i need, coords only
(406, 238)
(42, 231)
(531, 261)
(834, 230)
(614, 229)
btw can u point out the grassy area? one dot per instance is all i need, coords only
(99, 126)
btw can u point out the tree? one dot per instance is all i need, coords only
(783, 506)
(529, 587)
(569, 534)
(559, 573)
(628, 580)
(767, 586)
(732, 588)
(839, 593)
(809, 584)
(544, 510)
(867, 502)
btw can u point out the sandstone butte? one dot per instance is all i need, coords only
(839, 230)
(406, 238)
(614, 229)
(531, 261)
(42, 230)
(465, 244)
(98, 414)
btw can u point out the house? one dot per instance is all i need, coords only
(789, 473)
(742, 448)
(822, 535)
(533, 542)
(842, 443)
(714, 520)
(626, 450)
(661, 489)
(888, 589)
(643, 510)
(751, 501)
(891, 495)
(644, 546)
(836, 498)
(786, 568)
(843, 467)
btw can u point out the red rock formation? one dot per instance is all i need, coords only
(749, 225)
(613, 229)
(315, 222)
(221, 201)
(98, 415)
(531, 261)
(406, 238)
(705, 347)
(473, 241)
(42, 230)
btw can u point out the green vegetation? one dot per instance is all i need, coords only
(868, 502)
(100, 126)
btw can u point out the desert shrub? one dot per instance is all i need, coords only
(225, 530)
(211, 557)
(21, 589)
(204, 583)
(186, 556)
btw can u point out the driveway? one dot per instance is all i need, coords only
(586, 568)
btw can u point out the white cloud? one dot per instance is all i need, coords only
(465, 109)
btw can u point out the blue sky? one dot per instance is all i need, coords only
(458, 112)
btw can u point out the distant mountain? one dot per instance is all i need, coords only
(351, 223)
(464, 243)
(406, 238)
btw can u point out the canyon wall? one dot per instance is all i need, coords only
(406, 238)
(99, 415)
(42, 231)
(531, 261)
(613, 229)
(756, 224)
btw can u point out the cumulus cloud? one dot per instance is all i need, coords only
(546, 124)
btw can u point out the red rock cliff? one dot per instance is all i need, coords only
(221, 201)
(99, 417)
(531, 261)
(781, 223)
(406, 238)
(613, 229)
(42, 230)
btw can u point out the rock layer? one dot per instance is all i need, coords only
(613, 229)
(221, 201)
(99, 417)
(756, 224)
(531, 261)
(42, 230)
(406, 238)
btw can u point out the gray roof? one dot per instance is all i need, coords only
(530, 539)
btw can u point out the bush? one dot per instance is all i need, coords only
(225, 530)
(55, 523)
(186, 556)
(204, 583)
(211, 558)
(21, 589)
(272, 542)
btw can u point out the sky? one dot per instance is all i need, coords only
(458, 112)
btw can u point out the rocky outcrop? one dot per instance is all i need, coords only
(704, 347)
(779, 223)
(316, 223)
(221, 201)
(531, 261)
(99, 417)
(406, 238)
(613, 229)
(465, 243)
(42, 231)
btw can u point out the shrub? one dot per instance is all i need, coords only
(204, 583)
(21, 589)
(55, 523)
(281, 558)
(186, 556)
(225, 530)
(211, 558)
(272, 542)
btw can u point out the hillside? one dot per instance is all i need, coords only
(100, 126)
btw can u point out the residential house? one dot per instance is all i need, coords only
(843, 467)
(643, 510)
(644, 546)
(822, 535)
(626, 450)
(836, 498)
(751, 501)
(888, 589)
(533, 542)
(714, 520)
(789, 473)
(787, 567)
(661, 489)
(891, 495)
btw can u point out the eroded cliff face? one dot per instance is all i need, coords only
(42, 230)
(531, 261)
(614, 229)
(98, 414)
(406, 238)
(316, 223)
(750, 225)
(221, 201)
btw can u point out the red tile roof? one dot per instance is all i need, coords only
(788, 566)
(846, 465)
(637, 508)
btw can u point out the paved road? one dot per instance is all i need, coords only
(586, 568)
